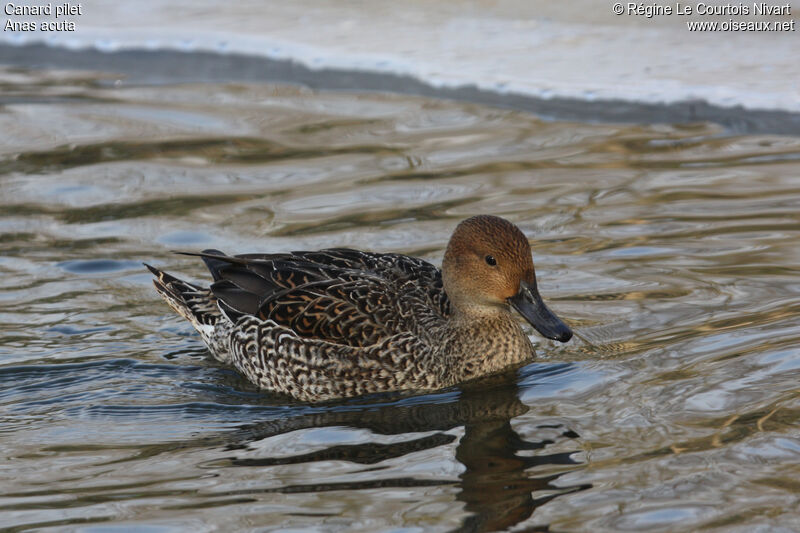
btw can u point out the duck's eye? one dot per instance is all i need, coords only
(491, 261)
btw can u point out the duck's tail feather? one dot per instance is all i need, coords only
(195, 304)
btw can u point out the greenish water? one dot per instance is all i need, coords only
(672, 250)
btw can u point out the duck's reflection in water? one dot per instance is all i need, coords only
(496, 486)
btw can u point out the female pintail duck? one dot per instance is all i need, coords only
(338, 323)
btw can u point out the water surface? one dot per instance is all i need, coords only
(672, 250)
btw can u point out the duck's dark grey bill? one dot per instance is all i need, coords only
(530, 305)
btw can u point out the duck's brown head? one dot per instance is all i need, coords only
(488, 264)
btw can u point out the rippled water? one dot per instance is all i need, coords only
(672, 250)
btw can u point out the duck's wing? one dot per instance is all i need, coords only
(415, 277)
(339, 295)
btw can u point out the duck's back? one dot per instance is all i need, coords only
(338, 295)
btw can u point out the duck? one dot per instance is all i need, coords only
(339, 323)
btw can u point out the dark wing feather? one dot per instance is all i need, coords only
(337, 295)
(212, 263)
(235, 298)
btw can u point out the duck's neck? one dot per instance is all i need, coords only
(484, 341)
